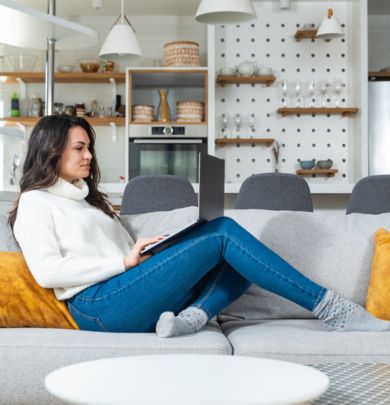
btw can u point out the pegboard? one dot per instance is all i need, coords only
(270, 42)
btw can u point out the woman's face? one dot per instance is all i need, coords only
(76, 158)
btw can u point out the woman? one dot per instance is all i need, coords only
(74, 243)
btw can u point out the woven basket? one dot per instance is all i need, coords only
(181, 53)
(189, 111)
(143, 113)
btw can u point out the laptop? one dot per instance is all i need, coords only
(210, 200)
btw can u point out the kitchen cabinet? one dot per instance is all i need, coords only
(182, 83)
(169, 147)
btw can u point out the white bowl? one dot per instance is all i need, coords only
(227, 71)
(65, 68)
(265, 71)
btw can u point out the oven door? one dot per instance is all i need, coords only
(166, 156)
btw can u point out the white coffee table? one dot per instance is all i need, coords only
(186, 380)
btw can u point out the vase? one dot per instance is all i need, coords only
(163, 114)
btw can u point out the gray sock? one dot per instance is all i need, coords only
(340, 314)
(191, 320)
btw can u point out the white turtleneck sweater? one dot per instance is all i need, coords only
(68, 244)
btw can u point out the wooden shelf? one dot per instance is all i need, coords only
(251, 141)
(74, 77)
(267, 80)
(305, 34)
(31, 121)
(379, 74)
(332, 110)
(166, 123)
(309, 172)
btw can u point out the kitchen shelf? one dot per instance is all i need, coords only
(167, 123)
(305, 34)
(30, 121)
(264, 141)
(332, 110)
(267, 80)
(379, 74)
(326, 172)
(73, 77)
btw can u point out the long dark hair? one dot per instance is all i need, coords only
(41, 167)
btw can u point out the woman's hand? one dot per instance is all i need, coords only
(134, 258)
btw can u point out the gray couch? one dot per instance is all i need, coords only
(334, 250)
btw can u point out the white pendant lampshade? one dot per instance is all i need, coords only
(330, 27)
(225, 11)
(121, 42)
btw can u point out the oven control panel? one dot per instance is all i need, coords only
(167, 131)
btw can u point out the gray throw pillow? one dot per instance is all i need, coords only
(7, 241)
(159, 222)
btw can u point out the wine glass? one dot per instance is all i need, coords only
(305, 93)
(224, 125)
(298, 92)
(231, 122)
(252, 123)
(312, 91)
(246, 132)
(238, 122)
(337, 86)
(283, 87)
(323, 85)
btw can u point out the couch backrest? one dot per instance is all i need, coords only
(7, 241)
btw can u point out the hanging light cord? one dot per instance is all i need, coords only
(330, 9)
(123, 18)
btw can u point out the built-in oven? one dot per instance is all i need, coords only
(170, 149)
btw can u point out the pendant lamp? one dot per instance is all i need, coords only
(330, 27)
(121, 42)
(225, 11)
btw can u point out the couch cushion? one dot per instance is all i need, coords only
(7, 241)
(27, 355)
(334, 250)
(305, 341)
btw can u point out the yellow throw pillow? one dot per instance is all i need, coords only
(23, 303)
(378, 294)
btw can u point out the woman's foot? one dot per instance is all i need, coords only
(189, 321)
(340, 314)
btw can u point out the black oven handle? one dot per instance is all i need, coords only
(162, 141)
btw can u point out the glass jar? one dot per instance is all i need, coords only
(36, 107)
(69, 110)
(58, 108)
(80, 110)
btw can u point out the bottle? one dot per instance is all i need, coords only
(118, 102)
(163, 114)
(15, 107)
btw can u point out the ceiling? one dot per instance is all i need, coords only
(151, 7)
(112, 7)
(378, 7)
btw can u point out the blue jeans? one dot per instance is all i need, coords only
(210, 267)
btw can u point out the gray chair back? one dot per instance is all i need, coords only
(145, 194)
(370, 195)
(275, 191)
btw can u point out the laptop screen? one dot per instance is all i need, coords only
(211, 187)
